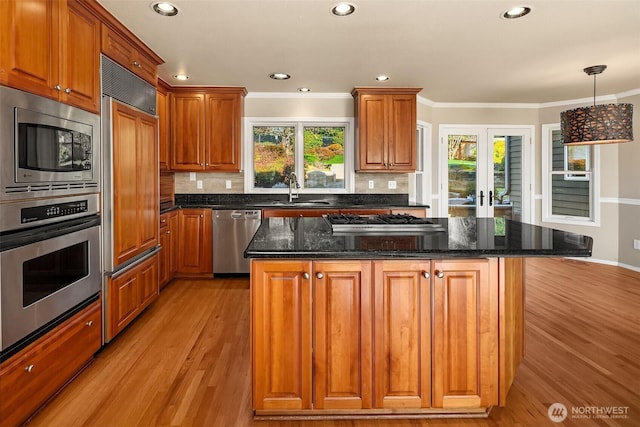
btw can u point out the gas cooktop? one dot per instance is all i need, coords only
(381, 224)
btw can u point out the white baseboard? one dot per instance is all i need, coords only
(607, 262)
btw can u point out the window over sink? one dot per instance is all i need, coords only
(319, 152)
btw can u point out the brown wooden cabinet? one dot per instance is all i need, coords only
(465, 333)
(162, 109)
(206, 128)
(129, 293)
(402, 337)
(195, 248)
(135, 180)
(385, 129)
(342, 327)
(360, 336)
(31, 377)
(51, 48)
(281, 339)
(125, 53)
(169, 242)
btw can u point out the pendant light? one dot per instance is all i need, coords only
(599, 124)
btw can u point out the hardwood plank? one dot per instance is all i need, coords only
(185, 360)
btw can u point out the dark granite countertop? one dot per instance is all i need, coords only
(461, 238)
(279, 201)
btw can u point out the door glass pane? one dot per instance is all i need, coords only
(324, 157)
(462, 174)
(273, 155)
(507, 177)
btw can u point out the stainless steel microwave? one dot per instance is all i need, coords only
(47, 148)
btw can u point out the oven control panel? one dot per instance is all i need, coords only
(58, 210)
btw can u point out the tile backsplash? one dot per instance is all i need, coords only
(216, 182)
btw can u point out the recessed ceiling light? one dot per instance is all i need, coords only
(304, 89)
(516, 12)
(382, 78)
(164, 8)
(279, 76)
(343, 9)
(181, 77)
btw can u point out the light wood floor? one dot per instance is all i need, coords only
(185, 362)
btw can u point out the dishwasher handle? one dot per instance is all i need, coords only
(236, 215)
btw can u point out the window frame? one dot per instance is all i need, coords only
(591, 175)
(299, 123)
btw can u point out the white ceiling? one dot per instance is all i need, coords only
(457, 50)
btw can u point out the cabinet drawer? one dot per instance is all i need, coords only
(32, 376)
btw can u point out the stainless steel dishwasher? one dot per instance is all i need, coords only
(232, 232)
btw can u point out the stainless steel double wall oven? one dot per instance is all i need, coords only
(50, 247)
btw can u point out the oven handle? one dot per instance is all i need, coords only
(44, 232)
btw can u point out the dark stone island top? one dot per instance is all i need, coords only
(461, 238)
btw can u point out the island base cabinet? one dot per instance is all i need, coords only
(465, 333)
(342, 334)
(281, 335)
(383, 337)
(402, 349)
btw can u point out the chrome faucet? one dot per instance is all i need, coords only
(293, 183)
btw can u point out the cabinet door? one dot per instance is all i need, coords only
(372, 133)
(173, 244)
(165, 252)
(123, 304)
(223, 130)
(465, 338)
(402, 347)
(342, 334)
(125, 197)
(187, 131)
(281, 326)
(80, 58)
(135, 201)
(401, 146)
(149, 285)
(147, 180)
(163, 129)
(195, 251)
(29, 42)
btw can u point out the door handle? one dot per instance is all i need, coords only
(490, 198)
(481, 198)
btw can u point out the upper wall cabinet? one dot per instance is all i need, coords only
(51, 48)
(385, 129)
(206, 128)
(121, 50)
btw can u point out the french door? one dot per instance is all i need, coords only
(485, 172)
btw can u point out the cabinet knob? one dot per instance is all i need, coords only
(29, 368)
(426, 274)
(89, 323)
(305, 275)
(319, 275)
(137, 64)
(440, 274)
(201, 215)
(67, 91)
(58, 88)
(168, 231)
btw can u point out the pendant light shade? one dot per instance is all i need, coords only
(598, 124)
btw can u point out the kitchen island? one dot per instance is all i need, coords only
(401, 324)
